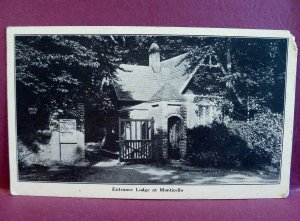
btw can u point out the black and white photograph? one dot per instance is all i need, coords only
(149, 109)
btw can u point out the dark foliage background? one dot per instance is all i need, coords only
(54, 73)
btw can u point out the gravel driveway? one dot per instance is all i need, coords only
(112, 171)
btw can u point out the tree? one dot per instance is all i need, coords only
(64, 69)
(54, 73)
(252, 71)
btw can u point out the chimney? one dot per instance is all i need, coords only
(154, 58)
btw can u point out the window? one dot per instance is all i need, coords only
(206, 114)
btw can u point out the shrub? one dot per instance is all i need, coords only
(25, 155)
(215, 146)
(252, 144)
(44, 136)
(263, 135)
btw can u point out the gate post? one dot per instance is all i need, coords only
(183, 142)
(120, 140)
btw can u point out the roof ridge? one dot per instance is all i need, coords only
(174, 58)
(139, 82)
(135, 65)
(164, 61)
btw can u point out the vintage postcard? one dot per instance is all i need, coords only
(150, 112)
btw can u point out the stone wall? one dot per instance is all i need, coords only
(183, 141)
(161, 112)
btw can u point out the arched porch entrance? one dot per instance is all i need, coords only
(175, 126)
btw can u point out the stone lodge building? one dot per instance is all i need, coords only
(160, 103)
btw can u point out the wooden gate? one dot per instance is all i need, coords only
(136, 139)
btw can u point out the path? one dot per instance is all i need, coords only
(114, 172)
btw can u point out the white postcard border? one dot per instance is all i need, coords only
(188, 191)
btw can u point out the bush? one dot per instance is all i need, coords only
(215, 146)
(25, 155)
(253, 144)
(263, 135)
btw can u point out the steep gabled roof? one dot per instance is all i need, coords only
(139, 83)
(167, 93)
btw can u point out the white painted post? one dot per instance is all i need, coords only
(210, 113)
(203, 115)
